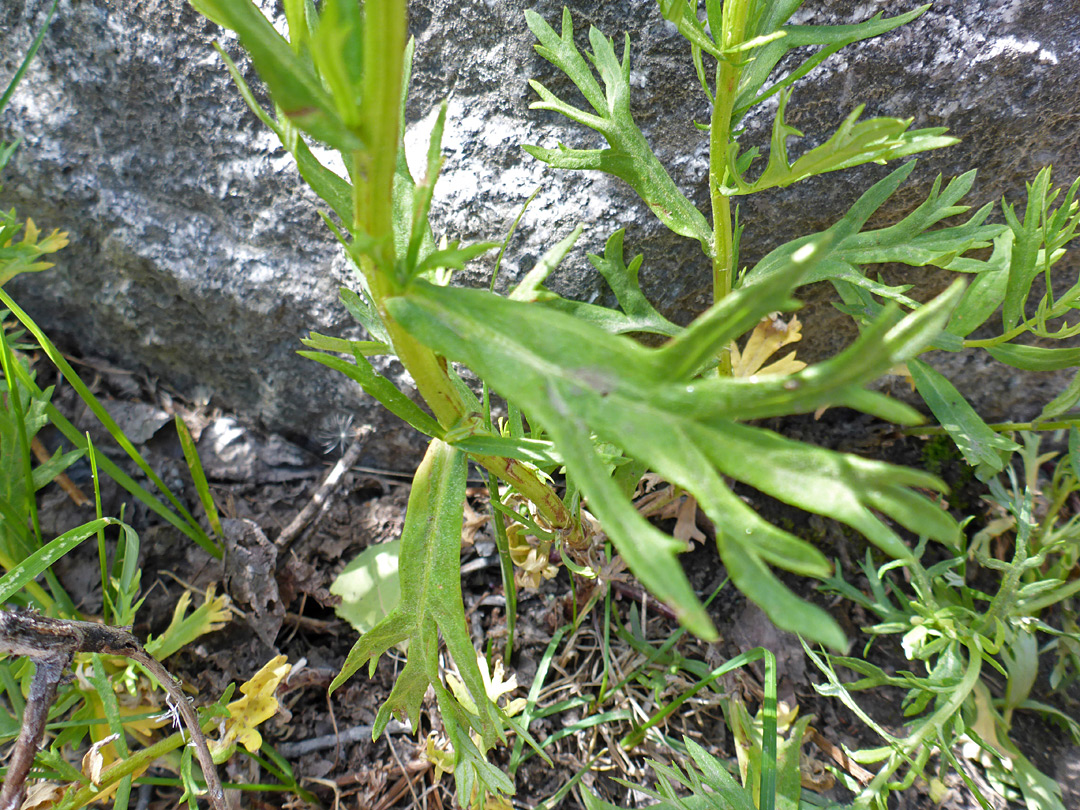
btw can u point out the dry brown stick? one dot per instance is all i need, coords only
(51, 644)
(837, 753)
(635, 593)
(42, 693)
(320, 500)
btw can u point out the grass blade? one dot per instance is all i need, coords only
(196, 532)
(38, 562)
(191, 456)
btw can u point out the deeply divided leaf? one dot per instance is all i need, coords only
(580, 383)
(909, 241)
(638, 315)
(853, 144)
(828, 39)
(983, 449)
(431, 605)
(628, 155)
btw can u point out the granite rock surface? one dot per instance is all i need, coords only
(197, 254)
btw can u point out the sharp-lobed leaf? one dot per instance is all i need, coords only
(638, 315)
(628, 155)
(982, 448)
(532, 286)
(830, 38)
(853, 144)
(579, 382)
(1023, 264)
(908, 241)
(985, 294)
(1039, 242)
(429, 574)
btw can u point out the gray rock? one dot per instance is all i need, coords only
(197, 253)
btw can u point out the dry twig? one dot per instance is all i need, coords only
(320, 501)
(51, 644)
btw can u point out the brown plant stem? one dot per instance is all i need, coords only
(47, 674)
(320, 501)
(51, 644)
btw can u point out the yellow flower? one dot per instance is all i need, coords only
(496, 684)
(441, 756)
(256, 706)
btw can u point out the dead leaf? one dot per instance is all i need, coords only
(686, 523)
(813, 774)
(41, 796)
(251, 573)
(769, 336)
(93, 761)
(474, 522)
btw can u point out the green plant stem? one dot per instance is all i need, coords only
(1062, 307)
(727, 79)
(385, 34)
(930, 726)
(128, 767)
(727, 85)
(432, 380)
(431, 375)
(373, 181)
(999, 427)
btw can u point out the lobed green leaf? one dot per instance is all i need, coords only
(829, 38)
(853, 144)
(982, 448)
(908, 241)
(638, 315)
(1023, 264)
(628, 155)
(579, 381)
(430, 604)
(985, 294)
